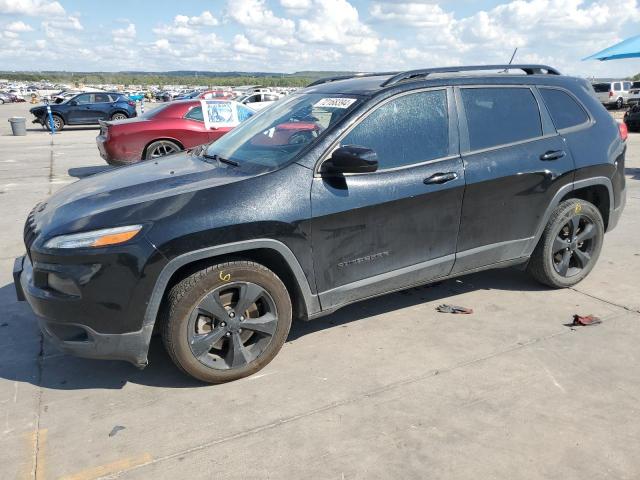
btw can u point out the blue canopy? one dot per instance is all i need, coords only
(629, 48)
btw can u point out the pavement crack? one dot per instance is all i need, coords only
(36, 434)
(629, 309)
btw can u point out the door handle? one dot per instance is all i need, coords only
(439, 178)
(552, 155)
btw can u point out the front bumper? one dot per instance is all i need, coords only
(62, 322)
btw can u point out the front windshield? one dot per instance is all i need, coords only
(278, 133)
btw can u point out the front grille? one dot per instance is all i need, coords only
(30, 230)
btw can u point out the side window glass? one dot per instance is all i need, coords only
(195, 114)
(101, 98)
(616, 86)
(244, 113)
(498, 116)
(410, 129)
(82, 99)
(564, 110)
(627, 85)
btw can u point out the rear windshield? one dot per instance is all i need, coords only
(602, 87)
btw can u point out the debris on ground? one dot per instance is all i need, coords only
(445, 308)
(584, 321)
(115, 430)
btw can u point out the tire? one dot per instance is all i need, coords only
(573, 257)
(58, 122)
(119, 116)
(210, 341)
(1, 101)
(160, 148)
(619, 103)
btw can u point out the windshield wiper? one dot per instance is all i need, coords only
(220, 159)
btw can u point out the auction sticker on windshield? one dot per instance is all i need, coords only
(339, 102)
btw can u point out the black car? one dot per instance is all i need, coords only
(86, 109)
(405, 179)
(632, 118)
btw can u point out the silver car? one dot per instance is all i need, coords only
(613, 94)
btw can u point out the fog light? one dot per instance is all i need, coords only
(63, 285)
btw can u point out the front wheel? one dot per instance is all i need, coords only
(58, 123)
(570, 245)
(227, 321)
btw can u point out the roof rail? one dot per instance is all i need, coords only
(346, 77)
(424, 72)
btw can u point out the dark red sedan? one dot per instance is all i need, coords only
(167, 129)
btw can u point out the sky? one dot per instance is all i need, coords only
(296, 35)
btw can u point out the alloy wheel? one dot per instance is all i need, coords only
(161, 149)
(119, 116)
(232, 325)
(573, 246)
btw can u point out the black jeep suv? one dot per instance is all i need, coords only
(352, 188)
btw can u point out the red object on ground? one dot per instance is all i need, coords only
(123, 142)
(584, 321)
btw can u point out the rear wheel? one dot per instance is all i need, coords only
(569, 246)
(619, 103)
(161, 148)
(119, 116)
(227, 321)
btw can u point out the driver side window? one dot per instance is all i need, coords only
(410, 129)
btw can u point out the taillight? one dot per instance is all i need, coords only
(131, 103)
(610, 94)
(624, 131)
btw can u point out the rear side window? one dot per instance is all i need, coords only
(602, 87)
(498, 116)
(101, 98)
(617, 86)
(565, 111)
(195, 114)
(627, 85)
(410, 129)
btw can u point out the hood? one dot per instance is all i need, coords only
(145, 185)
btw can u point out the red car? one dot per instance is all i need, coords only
(167, 129)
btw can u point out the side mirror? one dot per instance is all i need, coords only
(351, 159)
(73, 103)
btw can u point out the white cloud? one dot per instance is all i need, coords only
(124, 34)
(296, 7)
(34, 8)
(412, 13)
(243, 45)
(337, 22)
(19, 27)
(184, 26)
(256, 15)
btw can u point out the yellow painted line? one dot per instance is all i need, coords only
(109, 468)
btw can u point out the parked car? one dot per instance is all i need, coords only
(86, 109)
(214, 94)
(259, 101)
(7, 97)
(632, 118)
(135, 96)
(634, 94)
(613, 94)
(410, 178)
(164, 130)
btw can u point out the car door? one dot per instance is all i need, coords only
(100, 108)
(382, 231)
(514, 163)
(194, 132)
(78, 109)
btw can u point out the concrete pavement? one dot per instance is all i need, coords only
(386, 388)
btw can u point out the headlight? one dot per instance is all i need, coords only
(96, 238)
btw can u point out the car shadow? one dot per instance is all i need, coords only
(82, 172)
(634, 173)
(54, 370)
